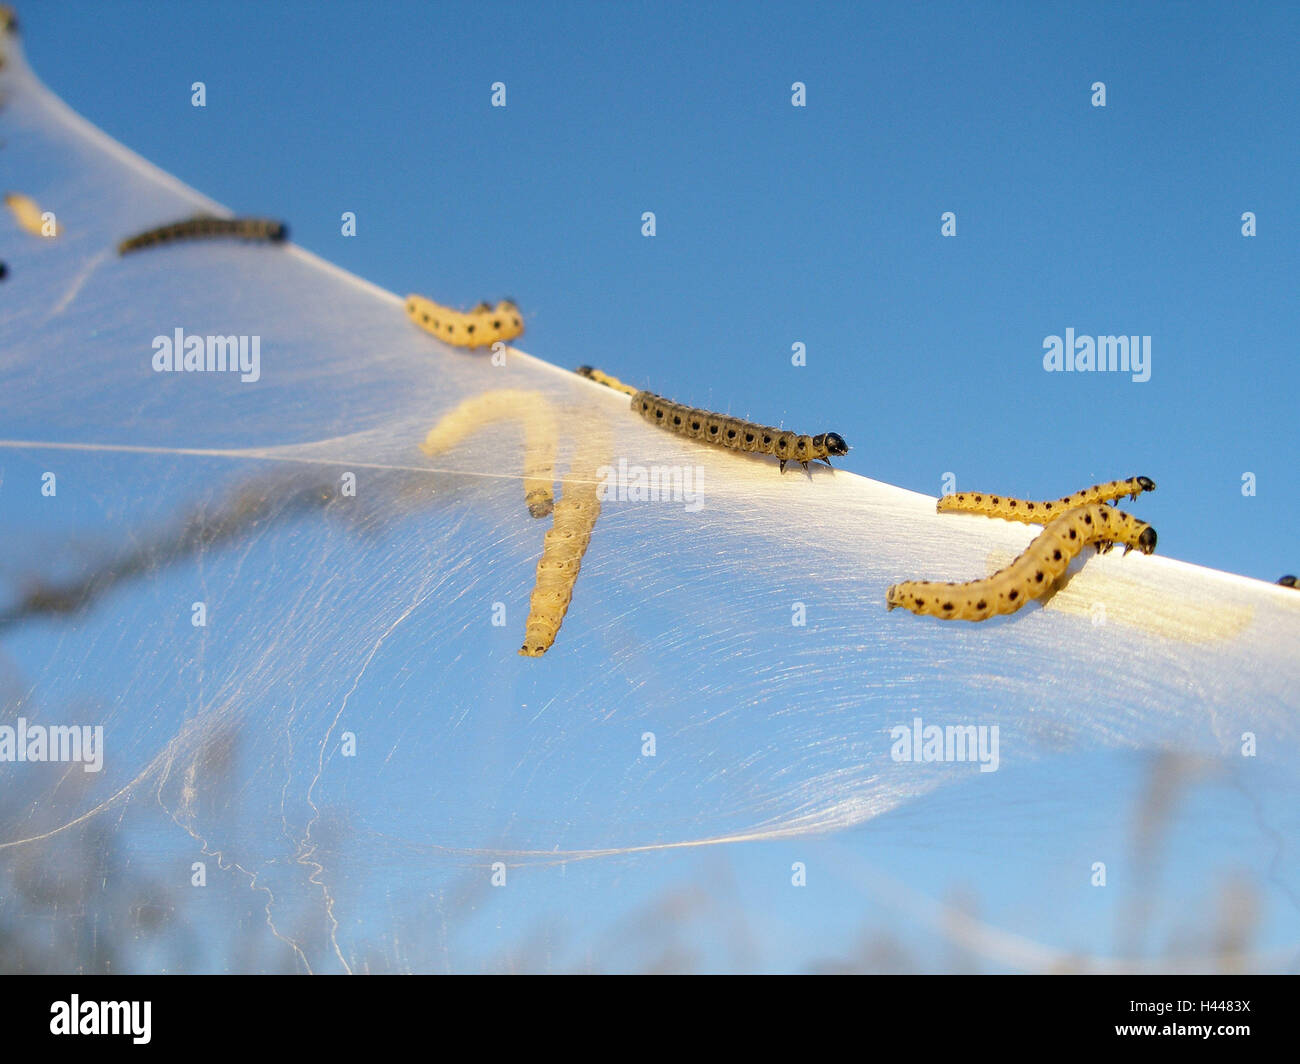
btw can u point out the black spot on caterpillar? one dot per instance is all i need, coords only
(479, 327)
(565, 544)
(729, 432)
(1038, 513)
(1289, 581)
(538, 419)
(1033, 573)
(204, 227)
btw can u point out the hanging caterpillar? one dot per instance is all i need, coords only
(28, 215)
(1289, 581)
(1041, 512)
(565, 544)
(204, 227)
(729, 432)
(1033, 573)
(480, 327)
(539, 422)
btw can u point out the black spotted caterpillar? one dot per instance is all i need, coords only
(1033, 573)
(480, 327)
(723, 431)
(1033, 513)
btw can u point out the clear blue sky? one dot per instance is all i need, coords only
(778, 224)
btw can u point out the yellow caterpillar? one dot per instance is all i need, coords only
(481, 327)
(1033, 573)
(565, 544)
(729, 432)
(28, 215)
(1036, 513)
(205, 227)
(8, 19)
(540, 434)
(593, 374)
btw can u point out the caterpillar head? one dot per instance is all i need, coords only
(832, 442)
(1147, 540)
(1146, 483)
(1289, 581)
(277, 231)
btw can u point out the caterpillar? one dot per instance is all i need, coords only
(203, 227)
(540, 433)
(480, 327)
(1289, 581)
(28, 215)
(729, 432)
(1033, 573)
(1041, 512)
(8, 19)
(593, 374)
(565, 544)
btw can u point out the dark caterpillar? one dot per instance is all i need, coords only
(738, 435)
(729, 432)
(204, 227)
(1033, 573)
(1041, 512)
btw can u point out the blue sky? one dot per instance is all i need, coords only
(778, 224)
